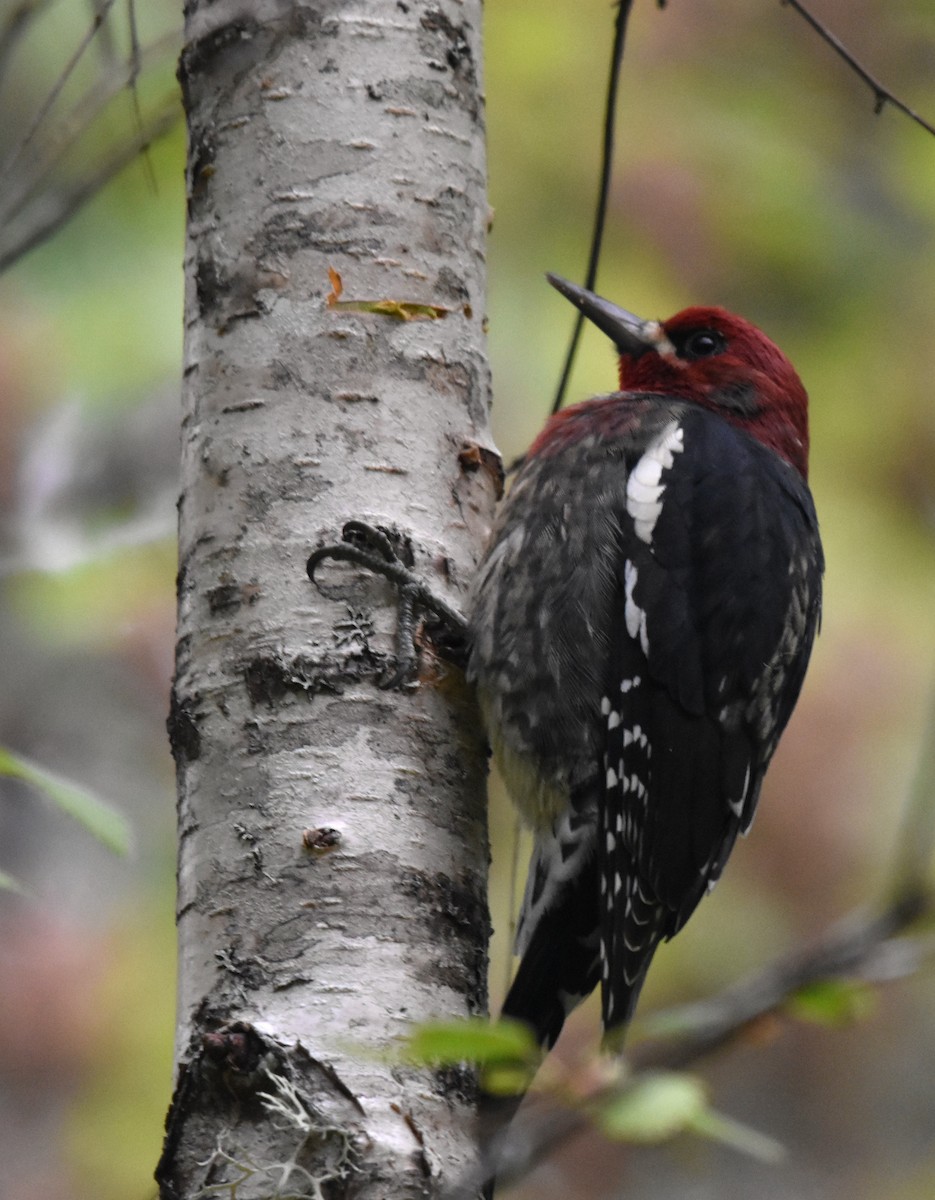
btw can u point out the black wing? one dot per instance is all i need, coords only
(718, 593)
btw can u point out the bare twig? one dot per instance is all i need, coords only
(59, 209)
(36, 197)
(915, 853)
(56, 91)
(134, 44)
(603, 194)
(881, 95)
(72, 126)
(135, 64)
(15, 24)
(863, 945)
(106, 42)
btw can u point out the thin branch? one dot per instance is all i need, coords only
(915, 852)
(15, 24)
(863, 945)
(881, 95)
(61, 208)
(56, 91)
(72, 126)
(603, 195)
(135, 65)
(106, 43)
(134, 45)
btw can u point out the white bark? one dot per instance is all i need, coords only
(347, 135)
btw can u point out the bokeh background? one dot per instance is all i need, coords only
(751, 172)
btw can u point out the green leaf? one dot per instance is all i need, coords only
(653, 1108)
(99, 818)
(503, 1043)
(512, 1079)
(832, 1002)
(9, 884)
(659, 1105)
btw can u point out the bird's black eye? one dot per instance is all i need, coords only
(702, 344)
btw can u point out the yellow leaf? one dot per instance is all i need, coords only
(398, 310)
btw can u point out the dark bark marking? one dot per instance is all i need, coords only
(237, 1048)
(198, 57)
(270, 680)
(413, 92)
(452, 215)
(473, 457)
(456, 49)
(448, 49)
(201, 170)
(267, 681)
(211, 285)
(285, 233)
(249, 973)
(457, 911)
(182, 726)
(457, 1083)
(450, 285)
(229, 296)
(225, 1063)
(243, 406)
(321, 840)
(330, 1075)
(418, 1155)
(336, 727)
(228, 597)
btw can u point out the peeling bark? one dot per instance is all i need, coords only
(333, 849)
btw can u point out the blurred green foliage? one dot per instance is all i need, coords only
(98, 817)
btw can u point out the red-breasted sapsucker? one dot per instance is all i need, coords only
(640, 630)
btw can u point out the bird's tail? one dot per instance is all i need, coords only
(562, 958)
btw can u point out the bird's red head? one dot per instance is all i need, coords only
(711, 358)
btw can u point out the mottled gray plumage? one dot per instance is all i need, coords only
(641, 626)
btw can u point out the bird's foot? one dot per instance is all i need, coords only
(368, 547)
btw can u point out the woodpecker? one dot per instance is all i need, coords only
(640, 629)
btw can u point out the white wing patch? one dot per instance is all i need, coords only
(634, 616)
(645, 488)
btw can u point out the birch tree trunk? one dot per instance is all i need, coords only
(332, 836)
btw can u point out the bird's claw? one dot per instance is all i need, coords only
(368, 547)
(363, 545)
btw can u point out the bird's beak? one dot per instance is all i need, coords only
(630, 334)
